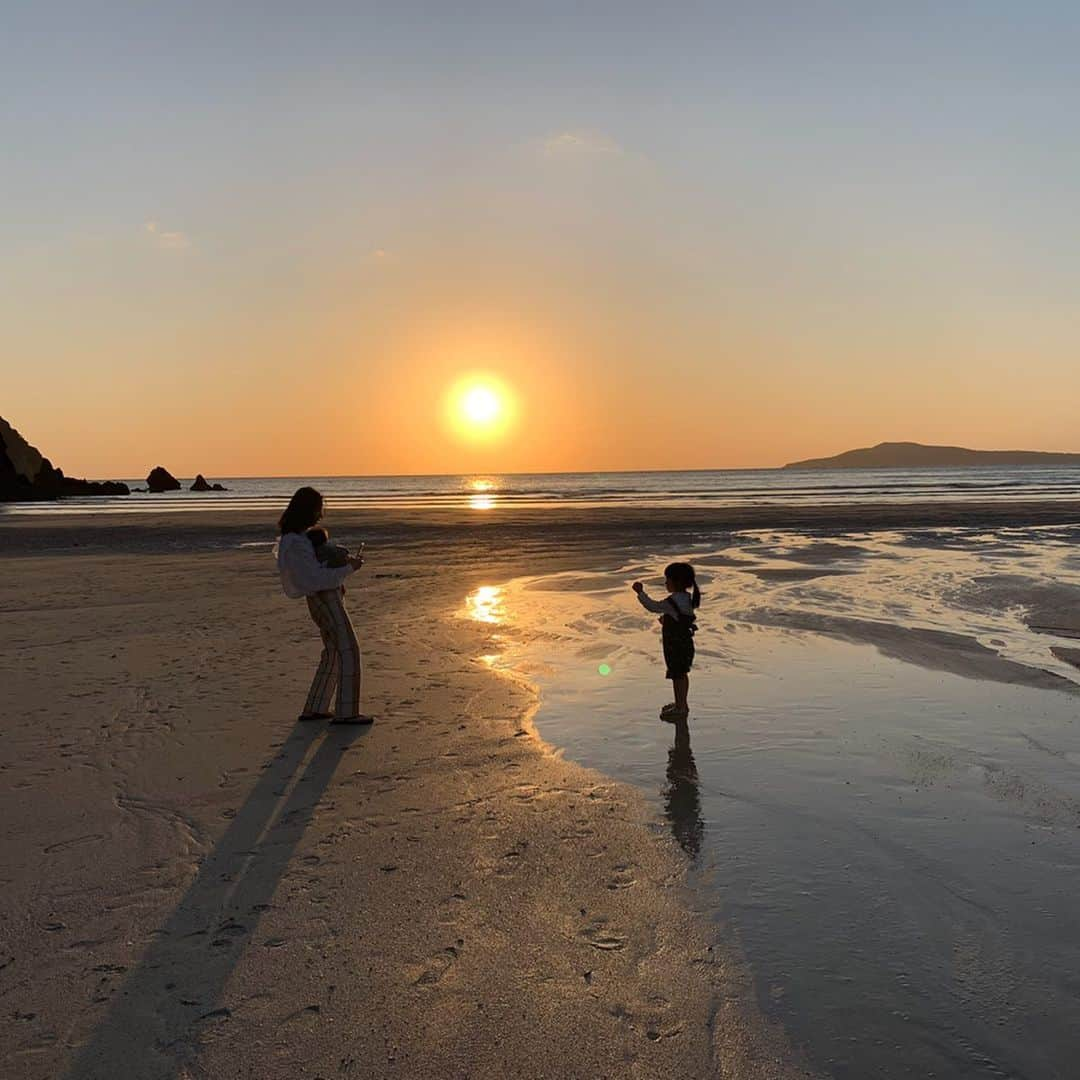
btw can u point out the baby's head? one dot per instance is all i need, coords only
(333, 555)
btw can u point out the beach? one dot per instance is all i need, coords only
(687, 393)
(198, 886)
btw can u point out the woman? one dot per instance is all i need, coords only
(303, 575)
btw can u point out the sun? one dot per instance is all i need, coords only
(481, 405)
(479, 408)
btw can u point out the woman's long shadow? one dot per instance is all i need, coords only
(155, 1026)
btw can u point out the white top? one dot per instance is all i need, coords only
(301, 572)
(680, 599)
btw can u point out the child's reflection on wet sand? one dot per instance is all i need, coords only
(682, 801)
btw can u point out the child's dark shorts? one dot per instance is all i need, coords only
(678, 655)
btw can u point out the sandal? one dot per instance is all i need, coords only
(359, 719)
(304, 717)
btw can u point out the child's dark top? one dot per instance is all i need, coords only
(678, 623)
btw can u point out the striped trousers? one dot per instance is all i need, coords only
(339, 669)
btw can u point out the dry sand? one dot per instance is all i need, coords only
(197, 886)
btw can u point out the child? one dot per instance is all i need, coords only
(332, 555)
(678, 623)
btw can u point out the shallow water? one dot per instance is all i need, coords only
(891, 841)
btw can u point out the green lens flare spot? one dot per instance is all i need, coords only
(604, 669)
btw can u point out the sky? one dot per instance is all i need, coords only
(270, 239)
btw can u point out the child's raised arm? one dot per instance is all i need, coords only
(646, 601)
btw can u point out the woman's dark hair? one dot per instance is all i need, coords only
(681, 575)
(304, 510)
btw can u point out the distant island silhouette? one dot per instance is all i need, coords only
(911, 455)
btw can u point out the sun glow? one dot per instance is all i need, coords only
(479, 408)
(481, 405)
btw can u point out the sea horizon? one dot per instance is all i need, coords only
(659, 489)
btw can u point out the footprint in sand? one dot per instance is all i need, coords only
(509, 861)
(449, 909)
(437, 966)
(306, 1014)
(652, 1019)
(600, 937)
(581, 832)
(622, 878)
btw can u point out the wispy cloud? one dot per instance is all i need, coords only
(164, 238)
(579, 143)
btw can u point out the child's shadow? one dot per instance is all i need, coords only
(682, 799)
(173, 997)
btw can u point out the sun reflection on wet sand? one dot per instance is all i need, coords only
(485, 604)
(481, 502)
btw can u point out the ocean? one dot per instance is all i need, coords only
(708, 488)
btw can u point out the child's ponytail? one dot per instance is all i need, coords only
(695, 596)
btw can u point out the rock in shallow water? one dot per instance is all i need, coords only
(160, 479)
(201, 484)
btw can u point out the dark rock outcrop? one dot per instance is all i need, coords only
(201, 484)
(160, 479)
(25, 474)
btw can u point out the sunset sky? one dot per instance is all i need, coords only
(249, 241)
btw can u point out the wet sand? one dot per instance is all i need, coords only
(197, 886)
(593, 532)
(877, 787)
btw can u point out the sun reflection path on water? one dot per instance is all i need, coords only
(481, 493)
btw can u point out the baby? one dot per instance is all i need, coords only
(332, 555)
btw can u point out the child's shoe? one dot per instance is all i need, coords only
(673, 712)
